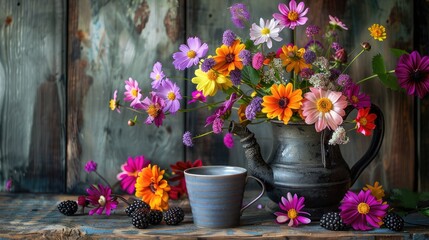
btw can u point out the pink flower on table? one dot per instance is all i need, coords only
(266, 31)
(132, 93)
(170, 92)
(325, 108)
(292, 207)
(413, 74)
(291, 16)
(157, 75)
(197, 96)
(91, 166)
(154, 108)
(190, 54)
(362, 211)
(130, 171)
(334, 21)
(356, 98)
(100, 197)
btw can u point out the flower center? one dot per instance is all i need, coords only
(153, 110)
(102, 200)
(283, 102)
(171, 96)
(324, 105)
(157, 77)
(363, 208)
(363, 121)
(292, 214)
(133, 174)
(134, 92)
(292, 15)
(416, 75)
(212, 75)
(191, 54)
(265, 31)
(152, 187)
(229, 58)
(112, 104)
(355, 99)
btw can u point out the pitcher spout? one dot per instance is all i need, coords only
(256, 165)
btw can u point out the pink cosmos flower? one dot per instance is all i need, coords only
(130, 171)
(154, 107)
(91, 166)
(291, 16)
(356, 98)
(362, 211)
(325, 108)
(100, 197)
(292, 206)
(413, 74)
(224, 109)
(265, 32)
(132, 94)
(228, 140)
(157, 75)
(190, 54)
(170, 92)
(197, 96)
(334, 21)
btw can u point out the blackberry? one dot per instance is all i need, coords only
(155, 217)
(67, 207)
(332, 221)
(135, 205)
(140, 218)
(394, 222)
(174, 216)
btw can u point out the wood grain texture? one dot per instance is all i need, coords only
(109, 42)
(32, 95)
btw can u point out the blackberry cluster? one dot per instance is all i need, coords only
(394, 222)
(174, 216)
(155, 217)
(68, 207)
(332, 221)
(140, 218)
(136, 205)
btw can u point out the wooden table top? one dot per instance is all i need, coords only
(35, 216)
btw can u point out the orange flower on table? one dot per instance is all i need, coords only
(365, 121)
(227, 58)
(377, 190)
(293, 58)
(281, 102)
(152, 188)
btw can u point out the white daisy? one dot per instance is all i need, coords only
(265, 32)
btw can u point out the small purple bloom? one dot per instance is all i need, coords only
(235, 76)
(217, 125)
(197, 96)
(253, 108)
(246, 57)
(228, 37)
(187, 139)
(258, 60)
(91, 166)
(309, 56)
(344, 80)
(356, 98)
(170, 92)
(239, 14)
(312, 30)
(228, 140)
(157, 75)
(336, 46)
(9, 183)
(306, 73)
(207, 64)
(190, 54)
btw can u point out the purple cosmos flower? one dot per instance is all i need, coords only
(245, 56)
(208, 64)
(225, 108)
(170, 92)
(309, 56)
(132, 94)
(258, 60)
(187, 139)
(253, 108)
(235, 76)
(101, 199)
(91, 166)
(334, 21)
(157, 75)
(413, 74)
(228, 140)
(228, 37)
(154, 108)
(291, 16)
(239, 14)
(197, 96)
(190, 54)
(312, 30)
(9, 183)
(356, 98)
(362, 211)
(217, 125)
(292, 207)
(130, 171)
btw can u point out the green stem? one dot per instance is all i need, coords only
(122, 198)
(350, 63)
(196, 108)
(372, 76)
(102, 178)
(202, 135)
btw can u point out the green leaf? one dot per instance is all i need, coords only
(378, 65)
(425, 212)
(250, 74)
(379, 68)
(405, 198)
(398, 52)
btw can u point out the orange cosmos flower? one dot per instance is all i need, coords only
(293, 58)
(365, 121)
(227, 58)
(152, 188)
(281, 102)
(377, 190)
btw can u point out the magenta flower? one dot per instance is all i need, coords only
(170, 92)
(257, 60)
(154, 108)
(197, 96)
(132, 94)
(130, 171)
(190, 54)
(9, 183)
(101, 199)
(222, 110)
(356, 98)
(291, 16)
(157, 75)
(228, 140)
(413, 74)
(292, 207)
(362, 211)
(91, 166)
(334, 21)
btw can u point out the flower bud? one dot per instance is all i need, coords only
(341, 55)
(366, 46)
(131, 123)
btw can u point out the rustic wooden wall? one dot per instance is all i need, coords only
(55, 118)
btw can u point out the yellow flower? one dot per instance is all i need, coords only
(378, 32)
(209, 82)
(293, 58)
(152, 188)
(377, 190)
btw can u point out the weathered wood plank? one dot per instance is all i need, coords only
(32, 95)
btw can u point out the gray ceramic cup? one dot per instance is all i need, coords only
(216, 195)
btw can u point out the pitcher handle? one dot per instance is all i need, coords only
(258, 197)
(371, 153)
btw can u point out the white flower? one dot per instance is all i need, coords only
(266, 31)
(339, 137)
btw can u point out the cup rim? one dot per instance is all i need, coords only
(189, 171)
